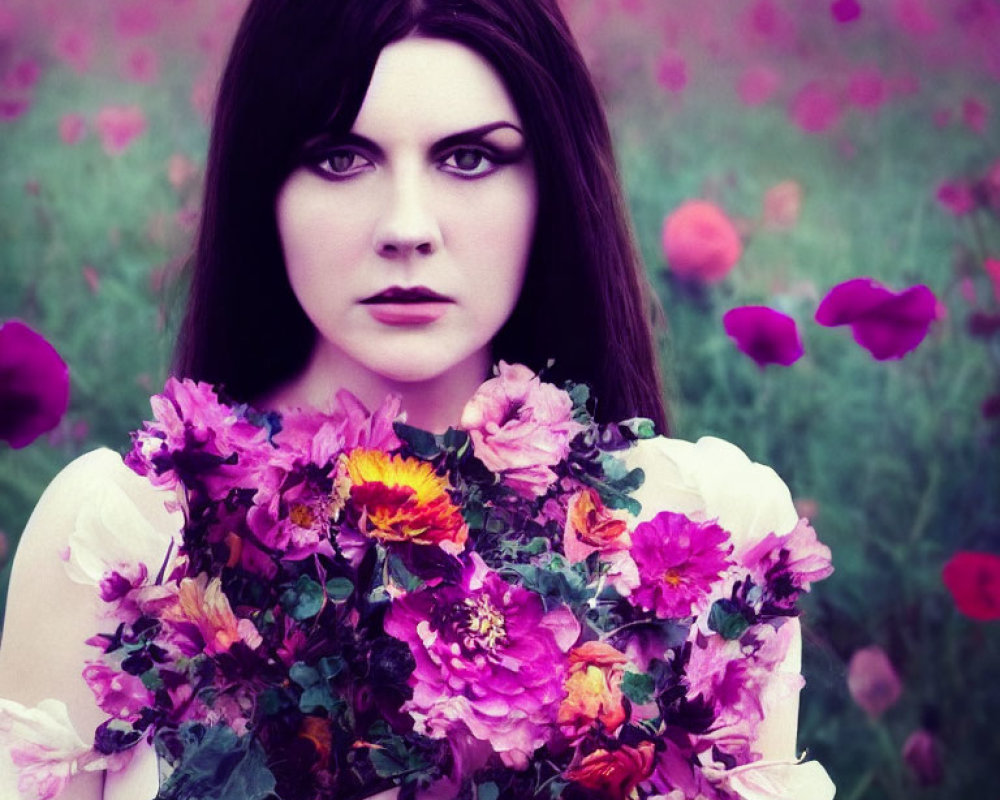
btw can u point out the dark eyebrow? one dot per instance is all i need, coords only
(473, 134)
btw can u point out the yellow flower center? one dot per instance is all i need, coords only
(302, 515)
(673, 577)
(484, 627)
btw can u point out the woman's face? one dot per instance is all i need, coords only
(406, 241)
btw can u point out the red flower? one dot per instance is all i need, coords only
(700, 242)
(887, 324)
(615, 774)
(974, 582)
(766, 335)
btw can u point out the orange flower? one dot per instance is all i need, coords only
(317, 731)
(591, 527)
(403, 500)
(593, 690)
(201, 602)
(617, 773)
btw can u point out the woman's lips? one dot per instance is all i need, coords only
(416, 305)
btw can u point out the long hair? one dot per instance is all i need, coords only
(298, 67)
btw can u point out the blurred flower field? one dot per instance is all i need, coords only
(773, 151)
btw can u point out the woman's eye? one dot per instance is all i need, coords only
(343, 163)
(468, 162)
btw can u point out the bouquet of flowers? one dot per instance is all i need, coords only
(355, 604)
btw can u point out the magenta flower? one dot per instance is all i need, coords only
(488, 663)
(34, 385)
(679, 561)
(887, 324)
(872, 680)
(118, 126)
(922, 755)
(520, 427)
(766, 335)
(956, 197)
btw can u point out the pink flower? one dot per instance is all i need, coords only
(488, 666)
(181, 170)
(792, 562)
(956, 197)
(141, 65)
(922, 755)
(887, 324)
(992, 267)
(672, 73)
(34, 385)
(915, 17)
(974, 582)
(203, 615)
(700, 242)
(845, 10)
(679, 562)
(72, 128)
(872, 681)
(75, 47)
(118, 126)
(782, 205)
(816, 108)
(116, 692)
(520, 427)
(757, 85)
(136, 19)
(766, 335)
(867, 89)
(975, 114)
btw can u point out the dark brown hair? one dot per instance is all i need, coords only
(298, 67)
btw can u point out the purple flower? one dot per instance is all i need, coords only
(488, 664)
(887, 324)
(766, 335)
(679, 560)
(34, 385)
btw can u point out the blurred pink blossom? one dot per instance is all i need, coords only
(845, 10)
(72, 128)
(766, 335)
(974, 114)
(872, 680)
(757, 85)
(91, 277)
(923, 757)
(118, 126)
(13, 107)
(9, 23)
(967, 288)
(671, 73)
(23, 76)
(867, 89)
(769, 20)
(700, 242)
(180, 170)
(141, 64)
(75, 47)
(915, 17)
(136, 19)
(782, 205)
(203, 95)
(992, 267)
(956, 197)
(816, 107)
(887, 324)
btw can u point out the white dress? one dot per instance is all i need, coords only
(119, 516)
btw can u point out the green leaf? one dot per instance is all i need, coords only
(487, 791)
(455, 440)
(726, 620)
(216, 764)
(304, 600)
(421, 442)
(339, 589)
(638, 687)
(151, 680)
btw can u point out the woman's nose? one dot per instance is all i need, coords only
(408, 225)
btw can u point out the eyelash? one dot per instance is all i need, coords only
(489, 156)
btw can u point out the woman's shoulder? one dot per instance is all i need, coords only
(712, 479)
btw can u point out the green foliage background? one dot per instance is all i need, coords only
(894, 461)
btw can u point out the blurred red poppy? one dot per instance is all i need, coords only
(34, 385)
(766, 335)
(974, 582)
(700, 242)
(887, 324)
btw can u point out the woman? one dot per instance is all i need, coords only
(399, 194)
